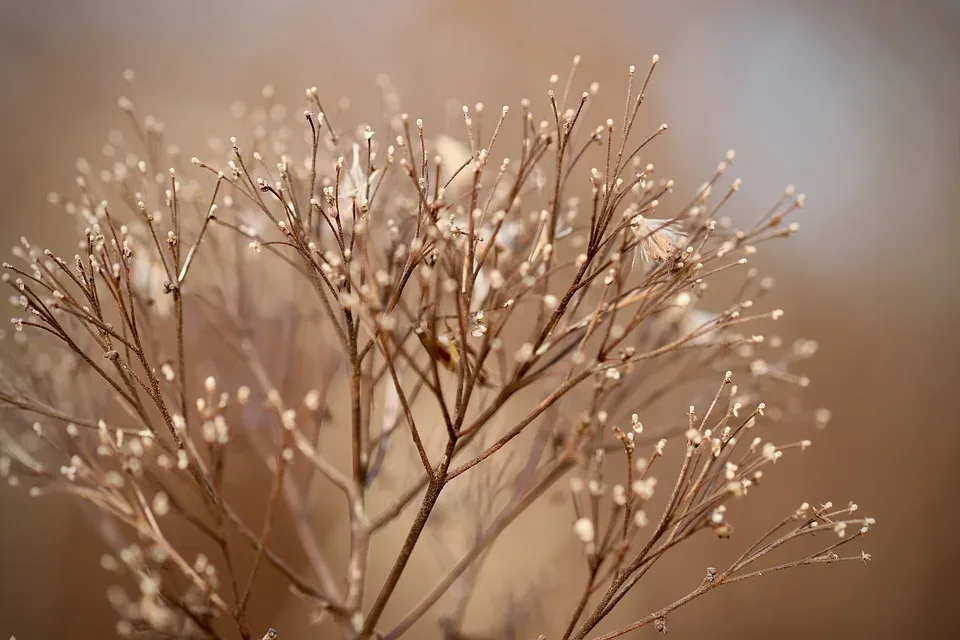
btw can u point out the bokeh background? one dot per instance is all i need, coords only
(856, 102)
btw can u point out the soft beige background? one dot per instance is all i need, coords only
(857, 102)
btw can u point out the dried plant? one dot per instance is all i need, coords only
(478, 332)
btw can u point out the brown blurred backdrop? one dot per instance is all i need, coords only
(856, 102)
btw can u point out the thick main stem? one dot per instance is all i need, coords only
(434, 487)
(506, 517)
(355, 405)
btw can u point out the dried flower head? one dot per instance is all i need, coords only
(406, 287)
(659, 239)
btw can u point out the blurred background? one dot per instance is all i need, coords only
(856, 102)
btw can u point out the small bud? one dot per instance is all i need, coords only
(161, 503)
(583, 527)
(312, 400)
